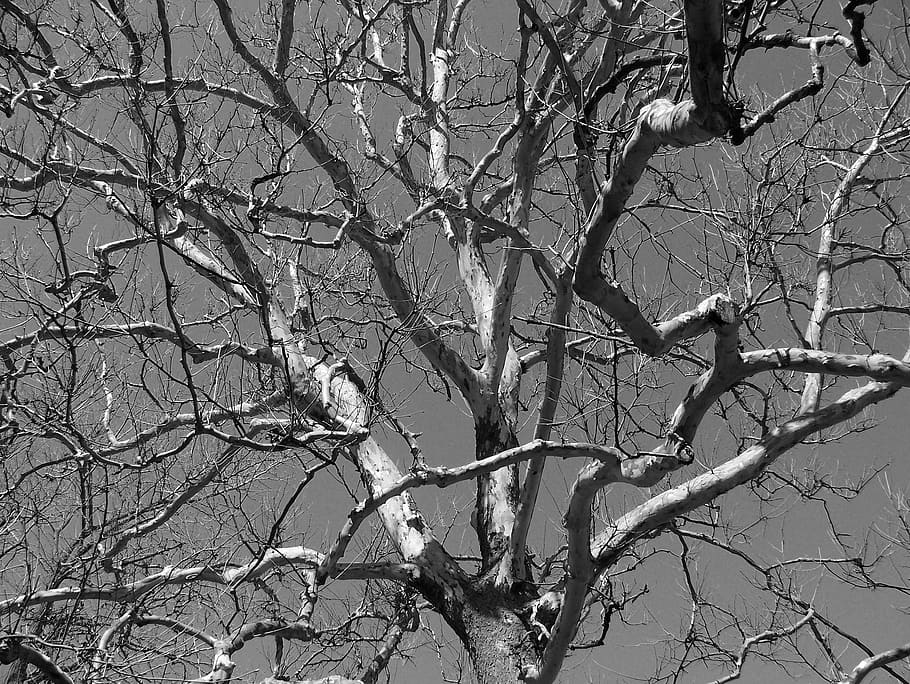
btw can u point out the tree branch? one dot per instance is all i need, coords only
(866, 666)
(172, 576)
(825, 264)
(610, 545)
(660, 123)
(14, 650)
(769, 635)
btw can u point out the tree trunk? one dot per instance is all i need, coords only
(498, 642)
(497, 493)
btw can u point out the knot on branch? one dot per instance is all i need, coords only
(674, 452)
(738, 112)
(542, 614)
(255, 212)
(682, 450)
(686, 124)
(195, 186)
(720, 309)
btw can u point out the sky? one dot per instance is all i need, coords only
(632, 650)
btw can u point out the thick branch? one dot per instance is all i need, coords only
(857, 21)
(656, 339)
(579, 569)
(285, 36)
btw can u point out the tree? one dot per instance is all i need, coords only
(270, 268)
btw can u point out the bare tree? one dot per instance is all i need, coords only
(268, 269)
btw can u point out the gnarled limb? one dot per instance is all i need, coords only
(703, 118)
(585, 561)
(731, 367)
(814, 85)
(659, 511)
(857, 21)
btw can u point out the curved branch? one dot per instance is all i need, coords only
(703, 118)
(655, 339)
(621, 74)
(659, 511)
(857, 21)
(101, 654)
(579, 569)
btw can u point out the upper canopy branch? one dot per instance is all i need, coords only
(730, 368)
(194, 191)
(361, 224)
(147, 329)
(703, 118)
(812, 87)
